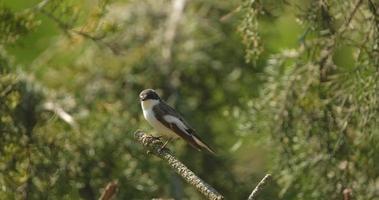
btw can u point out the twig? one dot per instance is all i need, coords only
(328, 51)
(61, 113)
(259, 187)
(357, 5)
(153, 145)
(230, 14)
(68, 30)
(109, 191)
(347, 193)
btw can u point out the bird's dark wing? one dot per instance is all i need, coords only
(188, 135)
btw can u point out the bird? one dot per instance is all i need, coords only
(168, 122)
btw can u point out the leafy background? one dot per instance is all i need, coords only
(283, 87)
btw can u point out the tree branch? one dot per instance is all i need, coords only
(68, 29)
(173, 21)
(259, 187)
(153, 145)
(109, 191)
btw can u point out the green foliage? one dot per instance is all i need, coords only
(321, 110)
(94, 74)
(14, 25)
(250, 30)
(305, 105)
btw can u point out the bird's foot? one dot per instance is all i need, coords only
(154, 139)
(164, 145)
(161, 149)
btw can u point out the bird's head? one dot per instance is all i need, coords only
(148, 94)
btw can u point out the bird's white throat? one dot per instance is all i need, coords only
(148, 113)
(149, 104)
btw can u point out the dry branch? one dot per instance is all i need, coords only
(259, 187)
(173, 21)
(153, 145)
(109, 191)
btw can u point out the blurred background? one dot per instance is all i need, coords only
(289, 88)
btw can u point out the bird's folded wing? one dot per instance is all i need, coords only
(172, 120)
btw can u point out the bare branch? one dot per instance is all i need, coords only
(357, 5)
(61, 113)
(259, 187)
(173, 22)
(109, 191)
(153, 146)
(347, 193)
(226, 17)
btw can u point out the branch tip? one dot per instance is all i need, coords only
(259, 187)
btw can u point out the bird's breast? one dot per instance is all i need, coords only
(157, 125)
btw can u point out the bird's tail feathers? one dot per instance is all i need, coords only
(203, 145)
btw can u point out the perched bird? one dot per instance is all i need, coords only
(167, 122)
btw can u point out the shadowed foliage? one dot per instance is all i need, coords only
(286, 87)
